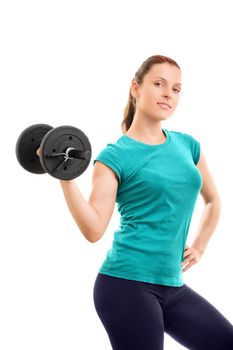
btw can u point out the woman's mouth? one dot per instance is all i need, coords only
(164, 105)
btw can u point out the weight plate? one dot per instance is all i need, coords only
(28, 142)
(57, 141)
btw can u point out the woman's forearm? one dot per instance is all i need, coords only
(83, 213)
(207, 225)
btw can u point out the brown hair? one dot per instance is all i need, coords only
(138, 77)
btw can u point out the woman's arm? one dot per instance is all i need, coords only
(83, 213)
(212, 209)
(93, 216)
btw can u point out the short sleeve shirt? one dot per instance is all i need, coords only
(158, 186)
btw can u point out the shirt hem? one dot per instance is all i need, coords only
(173, 282)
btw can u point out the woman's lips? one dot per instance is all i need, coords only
(164, 105)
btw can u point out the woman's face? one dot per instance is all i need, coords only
(161, 84)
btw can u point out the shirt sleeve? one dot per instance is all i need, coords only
(195, 147)
(111, 157)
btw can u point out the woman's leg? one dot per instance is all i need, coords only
(132, 320)
(195, 323)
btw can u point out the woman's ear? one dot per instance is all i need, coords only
(134, 88)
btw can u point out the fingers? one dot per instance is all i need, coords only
(191, 257)
(187, 260)
(187, 252)
(189, 265)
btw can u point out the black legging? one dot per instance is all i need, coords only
(136, 314)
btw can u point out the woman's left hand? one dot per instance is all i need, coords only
(192, 256)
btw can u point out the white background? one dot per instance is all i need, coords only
(71, 63)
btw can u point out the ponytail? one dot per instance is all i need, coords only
(128, 113)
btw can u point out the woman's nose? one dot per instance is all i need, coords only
(167, 93)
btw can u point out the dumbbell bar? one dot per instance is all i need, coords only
(65, 151)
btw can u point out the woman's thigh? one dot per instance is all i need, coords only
(132, 320)
(196, 324)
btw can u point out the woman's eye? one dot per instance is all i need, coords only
(158, 83)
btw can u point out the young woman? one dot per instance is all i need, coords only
(155, 176)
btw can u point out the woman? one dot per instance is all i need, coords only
(155, 176)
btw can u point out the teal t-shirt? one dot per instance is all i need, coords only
(158, 186)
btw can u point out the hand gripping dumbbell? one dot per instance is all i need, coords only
(65, 151)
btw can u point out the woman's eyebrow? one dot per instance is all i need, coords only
(166, 80)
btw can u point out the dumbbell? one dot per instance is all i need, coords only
(65, 151)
